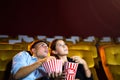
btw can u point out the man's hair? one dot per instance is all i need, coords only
(34, 43)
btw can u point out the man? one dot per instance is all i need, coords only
(27, 65)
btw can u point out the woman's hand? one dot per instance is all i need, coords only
(78, 59)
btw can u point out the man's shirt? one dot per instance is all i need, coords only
(22, 59)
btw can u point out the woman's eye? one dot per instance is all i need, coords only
(60, 45)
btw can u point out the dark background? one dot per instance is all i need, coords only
(60, 17)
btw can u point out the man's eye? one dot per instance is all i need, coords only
(42, 45)
(66, 44)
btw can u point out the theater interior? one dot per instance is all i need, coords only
(89, 27)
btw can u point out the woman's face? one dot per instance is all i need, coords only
(61, 48)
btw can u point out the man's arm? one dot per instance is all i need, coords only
(24, 71)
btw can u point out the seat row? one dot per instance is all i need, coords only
(73, 39)
(106, 52)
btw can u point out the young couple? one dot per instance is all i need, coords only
(27, 65)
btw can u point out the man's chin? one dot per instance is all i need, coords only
(43, 56)
(46, 55)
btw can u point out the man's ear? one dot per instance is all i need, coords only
(33, 50)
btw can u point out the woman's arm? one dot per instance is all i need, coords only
(77, 59)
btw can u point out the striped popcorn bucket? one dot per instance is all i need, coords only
(70, 69)
(53, 65)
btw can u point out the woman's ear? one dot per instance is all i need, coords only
(54, 52)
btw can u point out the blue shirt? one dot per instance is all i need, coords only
(23, 58)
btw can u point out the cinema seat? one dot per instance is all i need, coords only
(112, 54)
(2, 73)
(85, 47)
(110, 57)
(5, 57)
(3, 64)
(89, 53)
(6, 46)
(106, 41)
(83, 54)
(7, 54)
(86, 55)
(104, 64)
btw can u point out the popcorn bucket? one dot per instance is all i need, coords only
(53, 65)
(70, 69)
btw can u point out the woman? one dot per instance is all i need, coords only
(60, 50)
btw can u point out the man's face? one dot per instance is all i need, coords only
(41, 50)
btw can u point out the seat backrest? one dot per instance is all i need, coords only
(83, 54)
(8, 69)
(110, 57)
(112, 54)
(86, 47)
(103, 60)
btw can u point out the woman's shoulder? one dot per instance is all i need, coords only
(70, 59)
